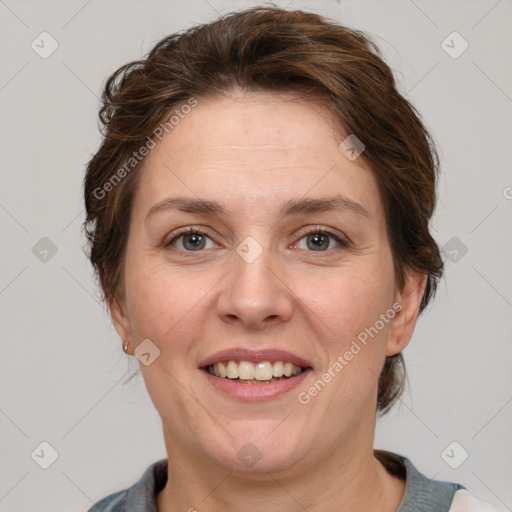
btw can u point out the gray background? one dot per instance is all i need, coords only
(62, 370)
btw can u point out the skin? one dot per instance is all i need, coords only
(255, 151)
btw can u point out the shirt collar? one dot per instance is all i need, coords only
(422, 494)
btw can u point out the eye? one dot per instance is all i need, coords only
(190, 240)
(319, 240)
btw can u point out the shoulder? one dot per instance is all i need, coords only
(141, 496)
(111, 503)
(423, 494)
(463, 501)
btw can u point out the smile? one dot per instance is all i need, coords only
(247, 372)
(254, 375)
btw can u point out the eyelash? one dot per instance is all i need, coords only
(343, 244)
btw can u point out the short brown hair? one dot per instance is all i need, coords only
(275, 50)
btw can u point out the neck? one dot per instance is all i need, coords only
(347, 480)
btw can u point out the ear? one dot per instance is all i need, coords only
(121, 321)
(402, 325)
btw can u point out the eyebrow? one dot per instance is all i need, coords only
(291, 207)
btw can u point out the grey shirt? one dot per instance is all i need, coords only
(421, 493)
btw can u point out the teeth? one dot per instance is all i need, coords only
(245, 370)
(278, 369)
(288, 369)
(232, 370)
(263, 371)
(222, 370)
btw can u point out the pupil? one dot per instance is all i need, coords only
(317, 242)
(196, 240)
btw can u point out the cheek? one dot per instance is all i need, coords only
(349, 301)
(158, 303)
(173, 309)
(354, 339)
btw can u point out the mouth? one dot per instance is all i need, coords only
(254, 375)
(247, 372)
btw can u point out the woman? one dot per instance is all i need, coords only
(258, 218)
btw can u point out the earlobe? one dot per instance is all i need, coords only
(404, 322)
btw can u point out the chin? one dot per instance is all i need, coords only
(252, 450)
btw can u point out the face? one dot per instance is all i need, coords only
(285, 268)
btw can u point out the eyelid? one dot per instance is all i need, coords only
(325, 230)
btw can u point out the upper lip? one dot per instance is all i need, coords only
(254, 356)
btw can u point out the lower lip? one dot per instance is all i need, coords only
(255, 392)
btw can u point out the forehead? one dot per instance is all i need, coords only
(255, 150)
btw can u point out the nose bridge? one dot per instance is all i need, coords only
(254, 294)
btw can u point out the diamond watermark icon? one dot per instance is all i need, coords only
(45, 455)
(249, 455)
(44, 45)
(249, 249)
(351, 147)
(454, 45)
(146, 352)
(455, 249)
(44, 250)
(454, 455)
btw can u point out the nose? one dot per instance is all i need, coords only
(255, 294)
